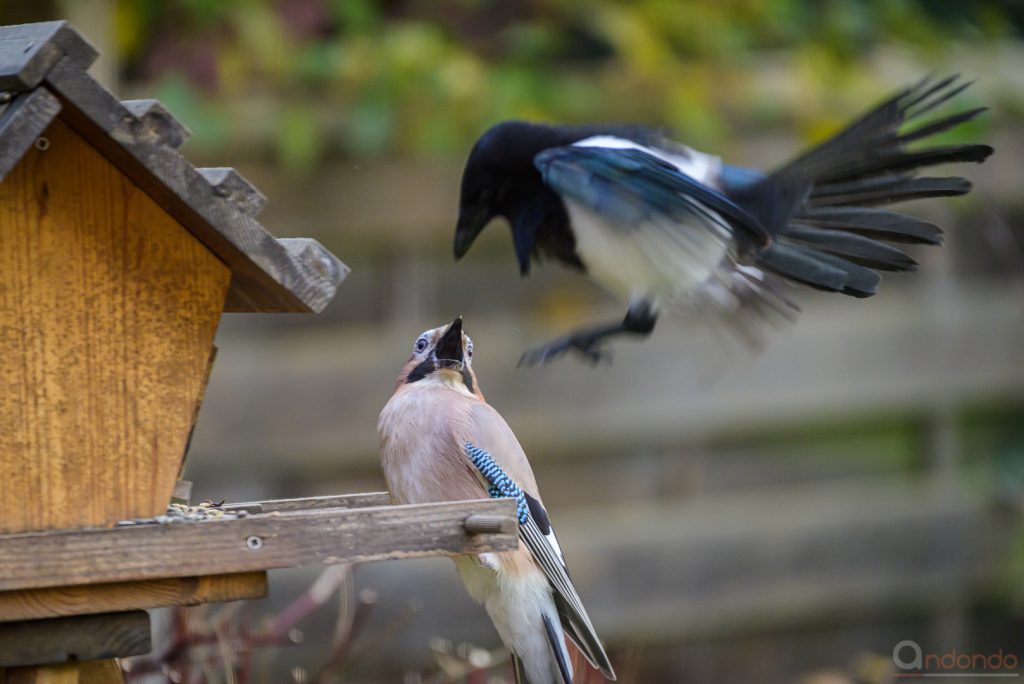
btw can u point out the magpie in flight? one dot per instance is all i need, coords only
(659, 223)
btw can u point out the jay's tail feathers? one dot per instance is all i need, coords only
(822, 207)
(559, 650)
(518, 670)
(576, 669)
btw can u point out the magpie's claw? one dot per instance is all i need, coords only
(590, 348)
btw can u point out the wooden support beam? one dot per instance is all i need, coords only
(100, 672)
(90, 672)
(29, 51)
(278, 539)
(82, 637)
(265, 277)
(158, 124)
(307, 503)
(234, 187)
(47, 674)
(35, 604)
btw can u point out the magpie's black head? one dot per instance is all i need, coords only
(500, 179)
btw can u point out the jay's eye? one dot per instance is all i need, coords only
(469, 348)
(421, 344)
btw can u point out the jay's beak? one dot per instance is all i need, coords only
(448, 351)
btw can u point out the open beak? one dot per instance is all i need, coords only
(471, 222)
(448, 351)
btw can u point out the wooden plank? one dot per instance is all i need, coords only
(82, 637)
(158, 125)
(21, 123)
(110, 308)
(233, 186)
(279, 539)
(47, 674)
(89, 672)
(312, 502)
(29, 51)
(838, 365)
(100, 672)
(35, 604)
(265, 277)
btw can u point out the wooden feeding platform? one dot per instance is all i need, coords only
(117, 259)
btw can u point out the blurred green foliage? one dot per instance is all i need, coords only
(303, 79)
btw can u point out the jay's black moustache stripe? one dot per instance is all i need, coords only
(421, 371)
(429, 366)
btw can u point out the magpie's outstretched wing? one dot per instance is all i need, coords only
(635, 190)
(678, 236)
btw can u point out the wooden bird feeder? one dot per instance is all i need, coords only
(117, 258)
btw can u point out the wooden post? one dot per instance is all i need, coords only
(91, 672)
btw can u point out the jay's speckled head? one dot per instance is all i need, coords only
(442, 355)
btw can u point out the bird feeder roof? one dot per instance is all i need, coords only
(43, 76)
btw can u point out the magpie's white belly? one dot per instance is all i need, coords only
(646, 262)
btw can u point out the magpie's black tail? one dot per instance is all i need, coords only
(822, 207)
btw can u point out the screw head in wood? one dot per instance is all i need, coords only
(254, 543)
(42, 143)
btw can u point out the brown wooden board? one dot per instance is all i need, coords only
(109, 309)
(82, 637)
(100, 672)
(90, 672)
(258, 542)
(265, 275)
(307, 503)
(35, 604)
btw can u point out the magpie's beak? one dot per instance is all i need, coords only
(471, 221)
(448, 351)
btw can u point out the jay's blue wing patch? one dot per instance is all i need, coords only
(536, 533)
(630, 187)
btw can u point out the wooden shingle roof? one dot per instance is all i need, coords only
(43, 75)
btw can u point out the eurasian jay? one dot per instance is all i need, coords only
(441, 441)
(658, 223)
